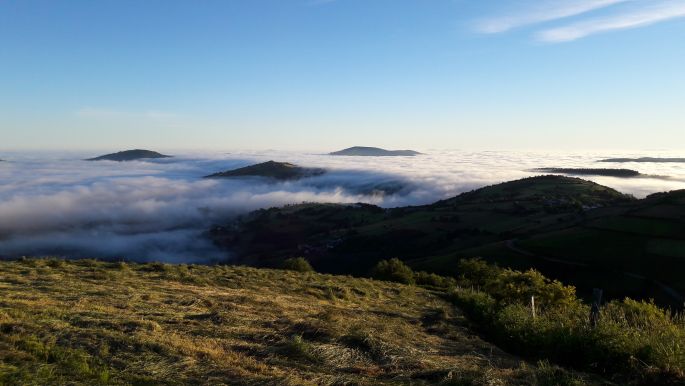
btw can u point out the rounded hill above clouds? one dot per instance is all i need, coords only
(271, 169)
(130, 155)
(365, 151)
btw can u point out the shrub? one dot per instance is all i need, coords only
(636, 339)
(299, 264)
(476, 272)
(432, 280)
(394, 270)
(645, 331)
(640, 314)
(479, 305)
(509, 286)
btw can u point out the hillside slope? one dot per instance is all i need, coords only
(636, 249)
(573, 230)
(337, 238)
(86, 323)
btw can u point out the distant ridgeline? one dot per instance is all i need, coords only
(591, 172)
(644, 159)
(129, 155)
(374, 152)
(271, 169)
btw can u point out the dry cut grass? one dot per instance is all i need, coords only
(88, 323)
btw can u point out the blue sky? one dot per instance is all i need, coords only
(326, 74)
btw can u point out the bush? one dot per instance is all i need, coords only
(508, 286)
(432, 280)
(394, 270)
(517, 287)
(299, 264)
(476, 272)
(635, 339)
(480, 306)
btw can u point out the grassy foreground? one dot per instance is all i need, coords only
(88, 322)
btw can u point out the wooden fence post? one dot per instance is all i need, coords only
(596, 303)
(532, 306)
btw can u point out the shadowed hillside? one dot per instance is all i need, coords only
(636, 249)
(337, 238)
(569, 228)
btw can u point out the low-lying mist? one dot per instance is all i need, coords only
(57, 204)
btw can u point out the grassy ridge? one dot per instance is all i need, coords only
(88, 323)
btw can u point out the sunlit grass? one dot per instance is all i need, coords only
(87, 322)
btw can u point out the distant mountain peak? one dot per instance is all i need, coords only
(271, 169)
(129, 155)
(365, 151)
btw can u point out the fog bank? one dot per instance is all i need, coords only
(57, 204)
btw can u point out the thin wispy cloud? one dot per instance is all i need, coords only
(577, 19)
(542, 12)
(652, 14)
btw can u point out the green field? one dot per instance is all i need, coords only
(642, 226)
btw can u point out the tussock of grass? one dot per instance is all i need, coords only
(297, 348)
(88, 323)
(299, 264)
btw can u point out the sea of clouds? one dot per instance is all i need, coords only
(58, 204)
